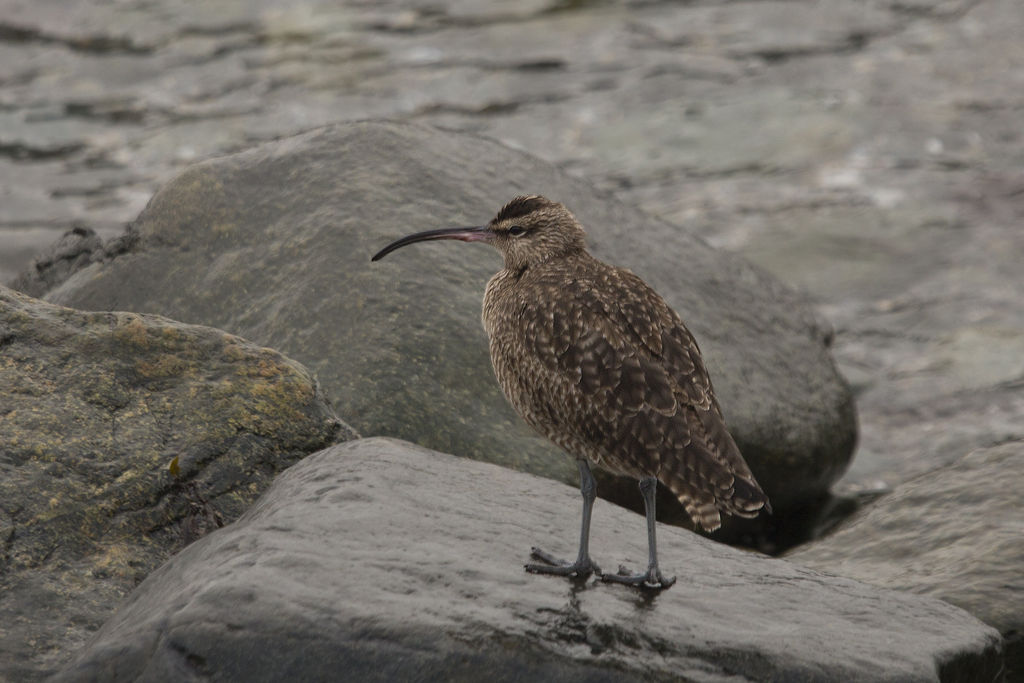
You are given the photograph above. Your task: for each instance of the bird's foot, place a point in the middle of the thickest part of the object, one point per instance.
(581, 568)
(652, 580)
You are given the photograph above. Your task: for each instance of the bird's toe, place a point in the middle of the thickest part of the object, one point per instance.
(652, 580)
(552, 565)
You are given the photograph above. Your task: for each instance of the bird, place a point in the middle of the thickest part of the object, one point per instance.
(591, 357)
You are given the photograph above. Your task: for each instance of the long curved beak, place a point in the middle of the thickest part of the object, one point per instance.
(478, 233)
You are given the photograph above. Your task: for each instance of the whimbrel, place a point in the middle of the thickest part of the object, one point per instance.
(595, 360)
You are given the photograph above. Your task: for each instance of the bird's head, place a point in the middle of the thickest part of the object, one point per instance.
(527, 231)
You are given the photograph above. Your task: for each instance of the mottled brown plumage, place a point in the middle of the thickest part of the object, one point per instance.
(595, 360)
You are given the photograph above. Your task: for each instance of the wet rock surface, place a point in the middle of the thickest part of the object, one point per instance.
(954, 533)
(94, 408)
(380, 560)
(275, 244)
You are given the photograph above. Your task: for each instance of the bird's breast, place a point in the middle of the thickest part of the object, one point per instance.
(499, 314)
(508, 330)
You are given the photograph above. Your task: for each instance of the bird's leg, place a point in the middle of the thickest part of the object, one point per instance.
(653, 578)
(583, 566)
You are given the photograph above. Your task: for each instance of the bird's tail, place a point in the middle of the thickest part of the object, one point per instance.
(705, 501)
(710, 477)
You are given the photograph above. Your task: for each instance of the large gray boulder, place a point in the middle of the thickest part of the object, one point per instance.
(377, 560)
(956, 533)
(274, 244)
(94, 408)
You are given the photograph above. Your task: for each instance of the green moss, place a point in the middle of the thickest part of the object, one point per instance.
(131, 333)
(164, 366)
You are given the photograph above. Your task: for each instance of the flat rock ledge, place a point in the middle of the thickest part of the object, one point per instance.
(378, 560)
(954, 533)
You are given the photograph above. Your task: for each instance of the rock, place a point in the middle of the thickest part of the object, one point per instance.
(954, 533)
(274, 244)
(75, 249)
(387, 561)
(94, 407)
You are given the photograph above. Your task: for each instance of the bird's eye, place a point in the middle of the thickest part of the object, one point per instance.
(516, 231)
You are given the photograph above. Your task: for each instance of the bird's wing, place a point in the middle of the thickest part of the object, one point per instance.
(631, 374)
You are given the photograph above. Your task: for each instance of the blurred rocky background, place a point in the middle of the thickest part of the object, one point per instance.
(869, 153)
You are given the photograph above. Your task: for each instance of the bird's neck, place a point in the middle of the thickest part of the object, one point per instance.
(506, 280)
(553, 259)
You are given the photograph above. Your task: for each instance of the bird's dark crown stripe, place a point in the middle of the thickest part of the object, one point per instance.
(518, 207)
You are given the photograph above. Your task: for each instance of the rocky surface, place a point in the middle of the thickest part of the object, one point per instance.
(76, 249)
(94, 408)
(869, 152)
(386, 561)
(954, 533)
(275, 244)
